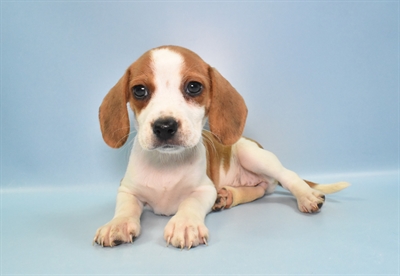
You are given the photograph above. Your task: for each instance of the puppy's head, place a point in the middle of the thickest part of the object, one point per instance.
(172, 91)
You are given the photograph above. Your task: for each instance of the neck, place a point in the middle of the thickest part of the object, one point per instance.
(166, 159)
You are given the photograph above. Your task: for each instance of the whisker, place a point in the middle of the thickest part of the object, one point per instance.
(211, 142)
(123, 137)
(129, 144)
(218, 138)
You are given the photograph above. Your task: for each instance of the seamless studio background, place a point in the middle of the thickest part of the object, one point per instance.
(321, 82)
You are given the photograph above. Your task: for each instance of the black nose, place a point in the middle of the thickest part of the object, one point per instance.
(165, 128)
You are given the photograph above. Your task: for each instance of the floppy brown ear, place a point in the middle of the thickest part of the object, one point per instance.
(228, 111)
(113, 114)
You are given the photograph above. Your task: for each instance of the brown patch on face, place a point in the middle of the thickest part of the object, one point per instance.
(217, 154)
(141, 73)
(194, 69)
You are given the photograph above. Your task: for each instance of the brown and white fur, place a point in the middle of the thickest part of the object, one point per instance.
(177, 168)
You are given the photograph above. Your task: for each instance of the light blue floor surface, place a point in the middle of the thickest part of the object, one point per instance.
(50, 232)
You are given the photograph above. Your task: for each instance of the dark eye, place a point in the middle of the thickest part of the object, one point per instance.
(194, 88)
(140, 92)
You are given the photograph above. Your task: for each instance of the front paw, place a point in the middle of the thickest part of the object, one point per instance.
(117, 231)
(310, 201)
(185, 231)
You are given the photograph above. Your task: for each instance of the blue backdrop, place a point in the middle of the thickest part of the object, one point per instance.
(321, 80)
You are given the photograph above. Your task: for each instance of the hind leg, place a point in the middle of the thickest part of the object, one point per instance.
(229, 197)
(267, 165)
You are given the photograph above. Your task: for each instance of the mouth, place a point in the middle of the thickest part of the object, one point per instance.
(169, 148)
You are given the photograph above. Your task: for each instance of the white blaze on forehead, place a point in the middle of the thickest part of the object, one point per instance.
(167, 67)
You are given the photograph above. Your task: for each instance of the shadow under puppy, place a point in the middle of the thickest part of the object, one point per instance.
(176, 167)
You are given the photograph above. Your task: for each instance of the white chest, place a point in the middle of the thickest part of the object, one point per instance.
(163, 182)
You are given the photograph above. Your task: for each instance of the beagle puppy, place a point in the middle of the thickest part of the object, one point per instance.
(176, 167)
